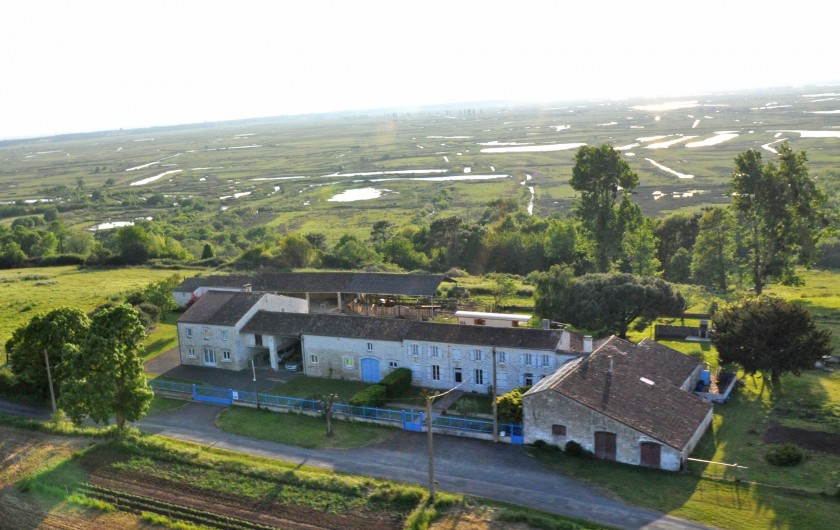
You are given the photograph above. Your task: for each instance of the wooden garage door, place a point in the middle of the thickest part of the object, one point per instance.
(651, 454)
(605, 445)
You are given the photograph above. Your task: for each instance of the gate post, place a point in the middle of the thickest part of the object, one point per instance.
(193, 391)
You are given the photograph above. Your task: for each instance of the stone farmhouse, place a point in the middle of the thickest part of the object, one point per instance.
(624, 402)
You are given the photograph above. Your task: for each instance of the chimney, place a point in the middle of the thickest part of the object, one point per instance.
(610, 371)
(587, 344)
(247, 287)
(546, 324)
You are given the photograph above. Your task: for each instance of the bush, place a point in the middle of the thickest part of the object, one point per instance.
(397, 383)
(574, 449)
(372, 396)
(509, 407)
(785, 455)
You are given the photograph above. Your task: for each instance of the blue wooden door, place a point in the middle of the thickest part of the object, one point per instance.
(370, 370)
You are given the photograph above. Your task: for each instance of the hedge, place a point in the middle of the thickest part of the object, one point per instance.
(372, 396)
(397, 382)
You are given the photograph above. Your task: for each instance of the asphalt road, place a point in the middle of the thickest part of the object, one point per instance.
(500, 472)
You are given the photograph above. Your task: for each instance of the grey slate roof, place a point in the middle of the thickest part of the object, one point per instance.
(220, 308)
(394, 329)
(323, 282)
(661, 410)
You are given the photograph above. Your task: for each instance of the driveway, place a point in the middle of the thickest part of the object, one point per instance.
(500, 472)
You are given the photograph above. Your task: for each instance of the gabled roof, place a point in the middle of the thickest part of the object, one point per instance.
(323, 282)
(638, 393)
(394, 329)
(220, 308)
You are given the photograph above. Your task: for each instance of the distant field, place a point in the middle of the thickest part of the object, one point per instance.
(287, 170)
(25, 292)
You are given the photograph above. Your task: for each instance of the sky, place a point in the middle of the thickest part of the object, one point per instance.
(87, 65)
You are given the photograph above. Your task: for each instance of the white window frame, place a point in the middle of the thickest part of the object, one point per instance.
(207, 334)
(224, 335)
(313, 358)
(545, 360)
(189, 333)
(369, 346)
(415, 350)
(478, 377)
(191, 352)
(226, 356)
(501, 357)
(526, 376)
(527, 359)
(435, 372)
(348, 362)
(393, 365)
(209, 356)
(435, 352)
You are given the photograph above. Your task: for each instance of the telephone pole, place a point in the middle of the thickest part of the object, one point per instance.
(430, 438)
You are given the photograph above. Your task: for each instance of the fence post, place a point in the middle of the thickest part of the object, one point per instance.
(193, 391)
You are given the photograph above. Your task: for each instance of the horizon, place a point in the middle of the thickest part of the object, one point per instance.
(132, 65)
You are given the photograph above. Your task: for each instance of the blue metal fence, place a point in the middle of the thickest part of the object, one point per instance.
(410, 420)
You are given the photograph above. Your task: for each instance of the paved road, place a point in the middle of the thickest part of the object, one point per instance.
(497, 471)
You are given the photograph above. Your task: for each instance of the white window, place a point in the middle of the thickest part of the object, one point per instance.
(210, 356)
(476, 355)
(435, 352)
(456, 354)
(313, 359)
(189, 333)
(528, 359)
(479, 376)
(207, 334)
(226, 356)
(415, 350)
(393, 364)
(527, 379)
(370, 346)
(348, 362)
(545, 360)
(224, 335)
(191, 353)
(502, 357)
(435, 372)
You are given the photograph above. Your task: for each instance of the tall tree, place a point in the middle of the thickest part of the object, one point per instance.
(104, 375)
(770, 335)
(713, 258)
(610, 303)
(48, 332)
(639, 248)
(782, 212)
(600, 175)
(550, 290)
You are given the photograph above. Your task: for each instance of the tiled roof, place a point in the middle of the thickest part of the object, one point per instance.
(323, 282)
(220, 308)
(656, 407)
(395, 329)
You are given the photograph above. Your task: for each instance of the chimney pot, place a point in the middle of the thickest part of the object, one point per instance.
(546, 324)
(587, 344)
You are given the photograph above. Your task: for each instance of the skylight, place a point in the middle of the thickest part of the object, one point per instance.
(646, 381)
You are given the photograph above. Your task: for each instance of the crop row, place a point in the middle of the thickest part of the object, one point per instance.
(136, 504)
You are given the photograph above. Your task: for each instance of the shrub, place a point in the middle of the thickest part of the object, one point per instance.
(574, 449)
(784, 455)
(509, 407)
(397, 382)
(372, 396)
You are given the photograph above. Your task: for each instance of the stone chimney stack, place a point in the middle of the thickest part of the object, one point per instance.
(587, 344)
(247, 287)
(546, 324)
(610, 371)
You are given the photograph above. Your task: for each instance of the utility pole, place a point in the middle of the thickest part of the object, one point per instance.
(495, 406)
(49, 380)
(430, 438)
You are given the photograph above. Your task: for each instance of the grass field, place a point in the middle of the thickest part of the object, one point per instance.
(25, 292)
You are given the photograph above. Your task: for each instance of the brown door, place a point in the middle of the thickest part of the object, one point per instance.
(651, 454)
(605, 445)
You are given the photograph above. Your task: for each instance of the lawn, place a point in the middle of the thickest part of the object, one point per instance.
(162, 404)
(301, 430)
(316, 387)
(163, 338)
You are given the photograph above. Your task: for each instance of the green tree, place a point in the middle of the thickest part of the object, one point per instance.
(133, 244)
(104, 374)
(679, 268)
(207, 252)
(550, 290)
(560, 244)
(713, 259)
(509, 406)
(599, 174)
(48, 332)
(639, 248)
(782, 214)
(610, 303)
(350, 253)
(502, 287)
(295, 252)
(770, 335)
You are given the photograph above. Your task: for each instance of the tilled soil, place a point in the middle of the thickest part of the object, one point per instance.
(824, 442)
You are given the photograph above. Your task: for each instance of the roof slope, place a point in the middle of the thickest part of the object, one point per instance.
(323, 282)
(394, 329)
(660, 410)
(220, 308)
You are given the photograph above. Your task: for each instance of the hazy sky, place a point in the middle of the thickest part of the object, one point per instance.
(82, 65)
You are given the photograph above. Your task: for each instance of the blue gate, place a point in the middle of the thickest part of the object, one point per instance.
(412, 421)
(370, 370)
(213, 394)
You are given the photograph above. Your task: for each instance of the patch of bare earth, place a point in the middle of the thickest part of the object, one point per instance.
(474, 518)
(824, 442)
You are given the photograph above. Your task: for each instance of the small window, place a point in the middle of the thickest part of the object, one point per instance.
(191, 353)
(479, 377)
(435, 372)
(528, 359)
(545, 360)
(501, 357)
(514, 324)
(224, 335)
(226, 356)
(189, 333)
(479, 322)
(313, 359)
(528, 379)
(370, 346)
(558, 430)
(435, 352)
(207, 334)
(348, 362)
(415, 350)
(478, 355)
(393, 364)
